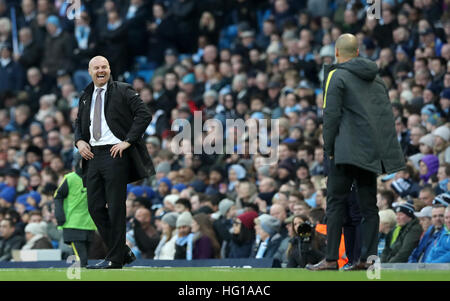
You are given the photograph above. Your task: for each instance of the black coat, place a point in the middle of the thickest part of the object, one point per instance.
(127, 117)
(15, 242)
(31, 56)
(358, 124)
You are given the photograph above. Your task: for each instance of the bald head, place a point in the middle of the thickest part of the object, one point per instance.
(346, 47)
(99, 70)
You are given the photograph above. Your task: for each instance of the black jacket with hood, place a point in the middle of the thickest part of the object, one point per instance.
(358, 124)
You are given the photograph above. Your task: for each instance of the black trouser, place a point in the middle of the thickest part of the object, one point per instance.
(107, 185)
(340, 180)
(352, 228)
(82, 248)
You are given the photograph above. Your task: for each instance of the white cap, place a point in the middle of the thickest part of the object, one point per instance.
(425, 212)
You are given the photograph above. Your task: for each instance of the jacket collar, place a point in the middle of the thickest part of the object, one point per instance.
(87, 92)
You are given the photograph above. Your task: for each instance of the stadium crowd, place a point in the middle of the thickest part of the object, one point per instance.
(229, 59)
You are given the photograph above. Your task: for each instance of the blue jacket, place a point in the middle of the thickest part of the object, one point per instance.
(426, 244)
(441, 252)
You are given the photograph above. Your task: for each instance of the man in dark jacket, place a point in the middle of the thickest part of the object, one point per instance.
(11, 239)
(110, 124)
(360, 140)
(404, 238)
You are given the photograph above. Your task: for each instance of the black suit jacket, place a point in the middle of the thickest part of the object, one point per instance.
(127, 117)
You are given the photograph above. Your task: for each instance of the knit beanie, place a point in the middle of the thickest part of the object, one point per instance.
(167, 181)
(406, 208)
(179, 187)
(171, 198)
(248, 219)
(224, 206)
(170, 218)
(36, 228)
(443, 198)
(163, 167)
(401, 187)
(428, 140)
(8, 194)
(269, 224)
(137, 191)
(185, 219)
(443, 132)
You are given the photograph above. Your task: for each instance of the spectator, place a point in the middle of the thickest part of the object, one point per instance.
(36, 237)
(11, 239)
(441, 252)
(166, 246)
(242, 235)
(30, 52)
(58, 48)
(307, 246)
(404, 238)
(184, 242)
(205, 244)
(11, 73)
(387, 223)
(431, 234)
(224, 223)
(145, 234)
(268, 239)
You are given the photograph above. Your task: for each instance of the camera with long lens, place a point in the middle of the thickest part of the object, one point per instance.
(305, 231)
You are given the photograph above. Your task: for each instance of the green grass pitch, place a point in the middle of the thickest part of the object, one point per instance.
(214, 274)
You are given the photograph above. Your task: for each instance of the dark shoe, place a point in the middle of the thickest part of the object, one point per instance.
(323, 266)
(104, 264)
(360, 266)
(129, 257)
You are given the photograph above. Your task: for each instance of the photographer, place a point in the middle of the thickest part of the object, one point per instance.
(307, 246)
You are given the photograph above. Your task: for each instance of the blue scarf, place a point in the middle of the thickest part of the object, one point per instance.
(189, 240)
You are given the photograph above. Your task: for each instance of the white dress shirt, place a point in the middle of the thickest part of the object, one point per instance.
(107, 136)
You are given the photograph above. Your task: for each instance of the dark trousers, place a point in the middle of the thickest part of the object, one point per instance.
(352, 228)
(340, 180)
(106, 192)
(82, 248)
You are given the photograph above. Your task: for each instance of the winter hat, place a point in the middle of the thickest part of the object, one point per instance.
(248, 219)
(198, 185)
(163, 167)
(166, 181)
(224, 206)
(239, 170)
(406, 208)
(268, 223)
(149, 191)
(36, 228)
(443, 198)
(185, 219)
(264, 170)
(286, 164)
(443, 132)
(425, 212)
(189, 79)
(432, 162)
(137, 191)
(8, 194)
(428, 140)
(429, 110)
(53, 20)
(179, 187)
(171, 198)
(35, 195)
(401, 187)
(170, 218)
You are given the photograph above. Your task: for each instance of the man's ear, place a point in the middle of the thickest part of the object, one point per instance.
(336, 53)
(357, 52)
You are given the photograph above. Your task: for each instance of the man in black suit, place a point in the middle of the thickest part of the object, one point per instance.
(110, 124)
